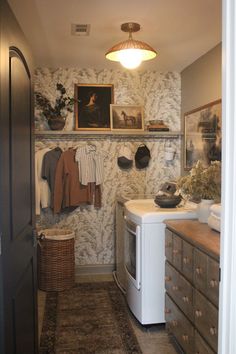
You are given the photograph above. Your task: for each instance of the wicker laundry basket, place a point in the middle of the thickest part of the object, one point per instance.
(56, 259)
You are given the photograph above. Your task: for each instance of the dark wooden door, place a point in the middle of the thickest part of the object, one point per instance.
(18, 315)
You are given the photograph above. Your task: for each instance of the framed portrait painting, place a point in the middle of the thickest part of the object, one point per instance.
(126, 117)
(202, 137)
(92, 106)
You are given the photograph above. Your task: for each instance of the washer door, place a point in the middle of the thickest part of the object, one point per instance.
(132, 252)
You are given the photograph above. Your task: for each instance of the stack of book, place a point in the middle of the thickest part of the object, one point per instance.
(159, 126)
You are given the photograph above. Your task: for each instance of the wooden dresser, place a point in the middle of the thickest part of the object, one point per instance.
(192, 285)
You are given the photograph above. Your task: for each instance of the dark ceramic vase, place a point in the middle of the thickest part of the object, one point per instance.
(56, 123)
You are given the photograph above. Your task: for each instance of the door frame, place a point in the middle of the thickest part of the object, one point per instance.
(227, 306)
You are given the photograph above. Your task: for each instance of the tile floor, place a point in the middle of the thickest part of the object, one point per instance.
(152, 339)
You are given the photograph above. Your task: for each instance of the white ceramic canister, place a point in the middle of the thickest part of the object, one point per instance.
(203, 210)
(169, 154)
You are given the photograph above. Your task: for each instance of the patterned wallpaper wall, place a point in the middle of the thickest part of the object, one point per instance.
(159, 93)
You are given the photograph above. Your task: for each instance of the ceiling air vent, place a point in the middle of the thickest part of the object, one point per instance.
(80, 30)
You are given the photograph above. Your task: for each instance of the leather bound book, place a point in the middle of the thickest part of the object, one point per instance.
(157, 127)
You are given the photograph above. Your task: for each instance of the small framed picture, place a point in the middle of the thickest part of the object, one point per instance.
(126, 117)
(92, 106)
(202, 138)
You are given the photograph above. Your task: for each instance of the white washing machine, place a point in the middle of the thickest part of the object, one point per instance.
(145, 256)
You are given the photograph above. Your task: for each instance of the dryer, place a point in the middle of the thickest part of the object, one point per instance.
(145, 256)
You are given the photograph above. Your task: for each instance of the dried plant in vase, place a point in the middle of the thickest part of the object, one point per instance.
(55, 113)
(202, 183)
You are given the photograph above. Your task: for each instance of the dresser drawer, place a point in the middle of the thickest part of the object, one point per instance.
(185, 333)
(170, 314)
(172, 282)
(200, 270)
(206, 319)
(187, 260)
(212, 287)
(180, 290)
(169, 277)
(206, 276)
(168, 245)
(179, 326)
(177, 252)
(185, 299)
(201, 347)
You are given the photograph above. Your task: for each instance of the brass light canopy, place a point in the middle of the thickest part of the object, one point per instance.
(131, 53)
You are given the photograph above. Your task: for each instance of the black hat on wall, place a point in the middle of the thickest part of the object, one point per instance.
(124, 159)
(142, 157)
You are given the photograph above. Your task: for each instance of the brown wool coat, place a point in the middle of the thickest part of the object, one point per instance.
(68, 191)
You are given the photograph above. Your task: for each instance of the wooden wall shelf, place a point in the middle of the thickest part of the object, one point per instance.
(48, 134)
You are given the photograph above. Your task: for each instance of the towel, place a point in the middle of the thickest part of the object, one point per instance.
(216, 210)
(214, 223)
(215, 216)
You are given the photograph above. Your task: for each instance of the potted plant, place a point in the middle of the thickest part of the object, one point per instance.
(204, 185)
(55, 114)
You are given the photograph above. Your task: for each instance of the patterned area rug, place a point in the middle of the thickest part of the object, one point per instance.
(90, 318)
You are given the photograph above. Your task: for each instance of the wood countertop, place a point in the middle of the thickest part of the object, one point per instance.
(198, 234)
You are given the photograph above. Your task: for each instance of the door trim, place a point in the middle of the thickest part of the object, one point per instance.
(15, 52)
(227, 307)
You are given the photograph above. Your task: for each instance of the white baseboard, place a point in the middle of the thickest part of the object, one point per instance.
(94, 269)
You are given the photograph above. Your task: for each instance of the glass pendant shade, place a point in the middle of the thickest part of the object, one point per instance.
(131, 53)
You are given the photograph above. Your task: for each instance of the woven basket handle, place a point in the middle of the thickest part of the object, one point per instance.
(40, 237)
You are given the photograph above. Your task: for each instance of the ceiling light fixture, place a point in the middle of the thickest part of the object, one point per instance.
(131, 53)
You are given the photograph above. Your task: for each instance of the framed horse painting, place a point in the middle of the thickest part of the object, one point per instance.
(126, 117)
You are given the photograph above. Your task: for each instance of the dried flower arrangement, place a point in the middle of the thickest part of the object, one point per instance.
(58, 111)
(202, 183)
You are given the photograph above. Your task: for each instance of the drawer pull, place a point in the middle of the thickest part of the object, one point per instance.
(167, 310)
(186, 260)
(185, 337)
(213, 331)
(174, 287)
(167, 278)
(185, 299)
(213, 283)
(199, 270)
(198, 313)
(175, 251)
(174, 323)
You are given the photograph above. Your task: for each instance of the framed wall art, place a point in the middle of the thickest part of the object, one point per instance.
(126, 117)
(202, 137)
(92, 106)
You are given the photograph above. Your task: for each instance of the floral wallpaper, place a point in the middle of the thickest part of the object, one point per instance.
(159, 94)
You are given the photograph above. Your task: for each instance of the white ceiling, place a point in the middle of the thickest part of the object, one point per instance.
(180, 30)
